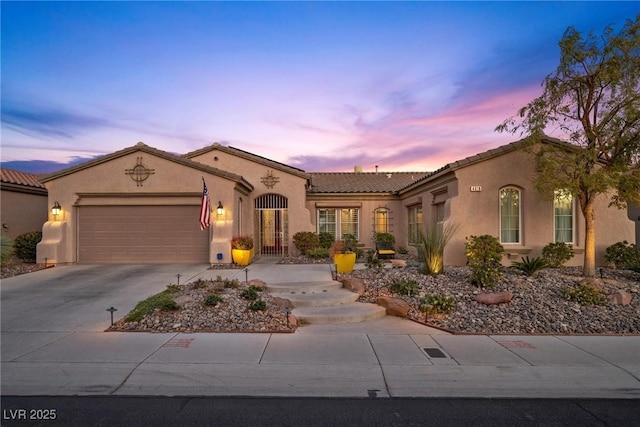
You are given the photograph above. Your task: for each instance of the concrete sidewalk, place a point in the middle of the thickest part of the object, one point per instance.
(388, 357)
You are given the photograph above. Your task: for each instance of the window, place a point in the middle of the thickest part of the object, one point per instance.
(563, 216)
(381, 220)
(415, 224)
(510, 215)
(338, 222)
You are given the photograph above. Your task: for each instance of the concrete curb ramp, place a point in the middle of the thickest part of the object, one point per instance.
(322, 302)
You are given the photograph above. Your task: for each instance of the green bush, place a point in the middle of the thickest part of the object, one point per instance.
(6, 249)
(318, 253)
(163, 301)
(624, 255)
(530, 266)
(257, 305)
(402, 250)
(556, 254)
(326, 239)
(484, 254)
(404, 286)
(432, 304)
(384, 237)
(372, 260)
(25, 245)
(431, 247)
(305, 240)
(251, 293)
(231, 283)
(213, 300)
(584, 294)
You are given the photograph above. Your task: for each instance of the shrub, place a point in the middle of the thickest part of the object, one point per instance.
(432, 304)
(163, 301)
(318, 253)
(231, 283)
(404, 286)
(431, 247)
(257, 305)
(484, 254)
(624, 255)
(556, 254)
(402, 250)
(372, 260)
(326, 239)
(584, 294)
(25, 245)
(251, 292)
(6, 248)
(200, 283)
(213, 300)
(530, 265)
(384, 237)
(242, 242)
(306, 240)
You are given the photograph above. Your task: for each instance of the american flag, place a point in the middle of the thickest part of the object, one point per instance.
(205, 207)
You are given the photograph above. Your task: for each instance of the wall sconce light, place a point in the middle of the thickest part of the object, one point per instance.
(220, 208)
(56, 209)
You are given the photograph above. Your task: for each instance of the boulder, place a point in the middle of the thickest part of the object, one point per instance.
(258, 282)
(621, 298)
(293, 320)
(282, 303)
(395, 306)
(398, 263)
(182, 300)
(353, 284)
(494, 297)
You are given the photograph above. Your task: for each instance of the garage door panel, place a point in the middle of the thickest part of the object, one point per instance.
(141, 234)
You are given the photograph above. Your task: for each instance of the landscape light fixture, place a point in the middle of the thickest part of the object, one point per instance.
(56, 209)
(220, 208)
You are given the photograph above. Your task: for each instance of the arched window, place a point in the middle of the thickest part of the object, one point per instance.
(381, 220)
(510, 215)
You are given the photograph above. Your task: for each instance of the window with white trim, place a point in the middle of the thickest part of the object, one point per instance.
(415, 224)
(510, 215)
(563, 216)
(339, 222)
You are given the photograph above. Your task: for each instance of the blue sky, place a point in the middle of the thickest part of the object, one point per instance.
(322, 86)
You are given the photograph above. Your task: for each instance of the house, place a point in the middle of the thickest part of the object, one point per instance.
(141, 205)
(23, 202)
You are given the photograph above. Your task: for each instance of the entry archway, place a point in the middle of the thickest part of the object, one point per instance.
(272, 223)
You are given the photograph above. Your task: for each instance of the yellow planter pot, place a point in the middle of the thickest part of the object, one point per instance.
(242, 256)
(344, 262)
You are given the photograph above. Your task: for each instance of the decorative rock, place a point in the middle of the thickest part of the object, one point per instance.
(293, 320)
(395, 306)
(182, 300)
(621, 298)
(353, 284)
(258, 282)
(398, 263)
(282, 302)
(494, 297)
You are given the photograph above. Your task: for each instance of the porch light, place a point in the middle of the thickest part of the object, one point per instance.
(56, 209)
(220, 208)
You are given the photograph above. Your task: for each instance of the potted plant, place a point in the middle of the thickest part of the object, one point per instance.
(242, 249)
(344, 253)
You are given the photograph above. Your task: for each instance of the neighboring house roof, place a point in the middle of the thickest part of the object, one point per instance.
(362, 182)
(21, 181)
(216, 146)
(151, 151)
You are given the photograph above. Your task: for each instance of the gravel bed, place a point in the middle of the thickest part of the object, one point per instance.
(16, 267)
(232, 314)
(537, 307)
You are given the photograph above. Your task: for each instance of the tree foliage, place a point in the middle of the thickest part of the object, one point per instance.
(593, 100)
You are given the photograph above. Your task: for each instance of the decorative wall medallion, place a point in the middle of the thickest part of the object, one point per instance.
(269, 181)
(139, 172)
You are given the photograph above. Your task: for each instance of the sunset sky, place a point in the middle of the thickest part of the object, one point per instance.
(321, 86)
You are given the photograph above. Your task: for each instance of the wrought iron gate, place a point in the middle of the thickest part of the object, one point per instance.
(272, 222)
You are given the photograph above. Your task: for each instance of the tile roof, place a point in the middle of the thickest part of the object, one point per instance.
(26, 179)
(361, 182)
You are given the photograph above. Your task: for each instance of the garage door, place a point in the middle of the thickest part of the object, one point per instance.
(141, 234)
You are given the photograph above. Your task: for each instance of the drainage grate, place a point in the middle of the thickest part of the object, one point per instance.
(435, 353)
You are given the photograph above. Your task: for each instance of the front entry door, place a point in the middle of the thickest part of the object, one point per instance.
(272, 220)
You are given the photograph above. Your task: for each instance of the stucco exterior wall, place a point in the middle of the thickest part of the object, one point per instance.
(289, 185)
(22, 212)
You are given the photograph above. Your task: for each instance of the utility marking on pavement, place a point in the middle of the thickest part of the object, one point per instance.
(179, 343)
(435, 353)
(516, 344)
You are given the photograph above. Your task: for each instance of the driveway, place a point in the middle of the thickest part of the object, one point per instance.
(75, 298)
